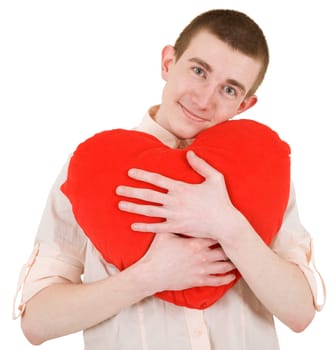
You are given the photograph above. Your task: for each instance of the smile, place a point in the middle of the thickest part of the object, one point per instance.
(192, 116)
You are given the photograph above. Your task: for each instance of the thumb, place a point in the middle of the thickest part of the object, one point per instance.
(200, 165)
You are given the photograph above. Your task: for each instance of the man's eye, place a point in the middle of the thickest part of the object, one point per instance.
(229, 90)
(198, 71)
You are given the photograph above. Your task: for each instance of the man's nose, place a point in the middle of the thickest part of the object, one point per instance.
(205, 96)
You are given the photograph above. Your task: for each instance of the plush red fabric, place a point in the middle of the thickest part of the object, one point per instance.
(252, 157)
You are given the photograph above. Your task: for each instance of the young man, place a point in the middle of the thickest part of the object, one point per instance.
(211, 75)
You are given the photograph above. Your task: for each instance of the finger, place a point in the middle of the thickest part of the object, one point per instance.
(217, 254)
(221, 267)
(146, 210)
(154, 227)
(152, 178)
(208, 242)
(215, 281)
(141, 193)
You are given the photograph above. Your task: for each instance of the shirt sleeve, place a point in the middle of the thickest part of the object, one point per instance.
(294, 244)
(59, 251)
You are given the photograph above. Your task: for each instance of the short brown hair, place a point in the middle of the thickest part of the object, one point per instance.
(235, 29)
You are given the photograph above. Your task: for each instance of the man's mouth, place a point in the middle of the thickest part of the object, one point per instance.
(192, 115)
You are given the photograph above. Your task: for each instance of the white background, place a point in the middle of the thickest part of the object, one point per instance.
(70, 68)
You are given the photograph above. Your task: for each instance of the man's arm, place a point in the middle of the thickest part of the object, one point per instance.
(171, 263)
(205, 210)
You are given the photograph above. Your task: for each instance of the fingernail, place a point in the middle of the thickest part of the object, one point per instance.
(122, 205)
(131, 172)
(119, 190)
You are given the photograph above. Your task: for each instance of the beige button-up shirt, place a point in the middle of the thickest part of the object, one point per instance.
(238, 321)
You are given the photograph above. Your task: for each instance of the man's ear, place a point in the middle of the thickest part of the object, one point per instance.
(247, 103)
(168, 57)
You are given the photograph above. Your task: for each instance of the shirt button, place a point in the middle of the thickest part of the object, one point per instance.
(197, 333)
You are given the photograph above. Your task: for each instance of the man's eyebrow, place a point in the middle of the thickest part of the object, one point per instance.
(202, 63)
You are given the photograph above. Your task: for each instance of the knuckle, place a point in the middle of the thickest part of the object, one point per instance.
(150, 210)
(203, 258)
(141, 193)
(201, 281)
(180, 188)
(202, 271)
(154, 177)
(136, 193)
(219, 177)
(147, 209)
(195, 245)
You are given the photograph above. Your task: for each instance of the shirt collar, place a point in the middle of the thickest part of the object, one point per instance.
(150, 126)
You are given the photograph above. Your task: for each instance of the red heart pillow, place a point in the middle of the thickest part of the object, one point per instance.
(253, 159)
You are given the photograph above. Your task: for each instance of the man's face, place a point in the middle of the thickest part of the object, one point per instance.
(206, 86)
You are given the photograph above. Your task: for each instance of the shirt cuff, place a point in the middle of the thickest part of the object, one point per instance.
(304, 259)
(40, 272)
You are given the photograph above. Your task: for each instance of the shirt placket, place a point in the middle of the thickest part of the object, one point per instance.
(197, 329)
